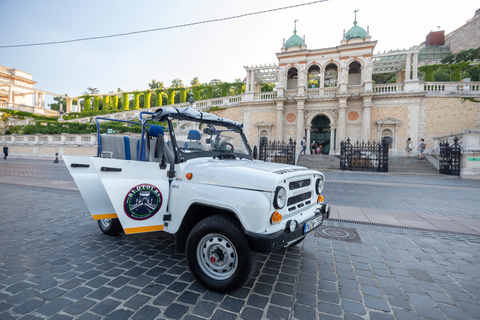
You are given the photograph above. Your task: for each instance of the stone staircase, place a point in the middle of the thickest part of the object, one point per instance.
(319, 162)
(395, 164)
(410, 164)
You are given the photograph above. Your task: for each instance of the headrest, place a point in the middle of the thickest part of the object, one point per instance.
(194, 135)
(155, 130)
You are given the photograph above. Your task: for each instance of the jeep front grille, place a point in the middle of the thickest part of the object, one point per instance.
(299, 184)
(298, 198)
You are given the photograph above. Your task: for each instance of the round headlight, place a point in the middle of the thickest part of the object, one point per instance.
(319, 185)
(280, 198)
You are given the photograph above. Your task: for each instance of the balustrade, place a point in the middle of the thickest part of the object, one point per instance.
(388, 88)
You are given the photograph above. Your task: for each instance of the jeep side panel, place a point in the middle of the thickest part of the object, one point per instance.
(90, 187)
(138, 190)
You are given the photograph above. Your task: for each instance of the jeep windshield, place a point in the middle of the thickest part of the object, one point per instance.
(195, 134)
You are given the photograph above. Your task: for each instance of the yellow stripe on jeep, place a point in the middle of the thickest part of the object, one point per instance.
(143, 229)
(104, 216)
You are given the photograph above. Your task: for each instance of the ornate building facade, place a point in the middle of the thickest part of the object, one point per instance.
(328, 95)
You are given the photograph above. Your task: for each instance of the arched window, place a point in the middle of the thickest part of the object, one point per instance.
(354, 73)
(314, 77)
(292, 79)
(331, 75)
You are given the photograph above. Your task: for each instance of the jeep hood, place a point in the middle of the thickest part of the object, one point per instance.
(257, 175)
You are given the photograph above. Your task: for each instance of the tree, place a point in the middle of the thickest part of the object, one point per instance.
(267, 87)
(156, 84)
(91, 90)
(195, 82)
(177, 83)
(56, 105)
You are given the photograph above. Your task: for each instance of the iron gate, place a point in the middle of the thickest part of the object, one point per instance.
(450, 158)
(280, 152)
(369, 156)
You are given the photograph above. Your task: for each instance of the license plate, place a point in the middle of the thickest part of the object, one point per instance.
(312, 224)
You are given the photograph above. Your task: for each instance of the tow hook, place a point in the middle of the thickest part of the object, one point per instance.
(325, 209)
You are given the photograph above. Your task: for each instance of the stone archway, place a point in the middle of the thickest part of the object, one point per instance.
(320, 131)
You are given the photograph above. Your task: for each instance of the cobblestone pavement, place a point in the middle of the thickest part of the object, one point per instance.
(56, 264)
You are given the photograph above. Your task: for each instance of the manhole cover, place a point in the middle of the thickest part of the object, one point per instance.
(338, 233)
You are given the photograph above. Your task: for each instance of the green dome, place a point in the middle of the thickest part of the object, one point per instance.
(294, 41)
(356, 32)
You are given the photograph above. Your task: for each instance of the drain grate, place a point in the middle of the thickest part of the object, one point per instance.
(338, 233)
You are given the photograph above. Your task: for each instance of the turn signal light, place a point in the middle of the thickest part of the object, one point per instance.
(189, 176)
(276, 218)
(320, 198)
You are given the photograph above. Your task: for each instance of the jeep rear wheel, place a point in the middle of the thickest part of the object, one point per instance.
(111, 227)
(218, 254)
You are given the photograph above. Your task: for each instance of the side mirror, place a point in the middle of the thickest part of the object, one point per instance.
(255, 152)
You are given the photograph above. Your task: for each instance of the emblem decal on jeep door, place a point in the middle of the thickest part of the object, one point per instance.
(142, 202)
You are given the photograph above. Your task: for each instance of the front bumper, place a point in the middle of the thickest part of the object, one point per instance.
(266, 243)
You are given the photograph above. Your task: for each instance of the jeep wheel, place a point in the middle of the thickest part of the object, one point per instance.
(218, 254)
(111, 227)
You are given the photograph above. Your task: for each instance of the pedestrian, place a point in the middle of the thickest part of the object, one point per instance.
(5, 152)
(408, 146)
(319, 147)
(314, 147)
(304, 145)
(421, 147)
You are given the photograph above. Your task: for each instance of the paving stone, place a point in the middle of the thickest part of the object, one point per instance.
(376, 303)
(105, 307)
(79, 307)
(329, 308)
(303, 312)
(275, 313)
(146, 313)
(204, 309)
(252, 314)
(28, 306)
(353, 307)
(137, 301)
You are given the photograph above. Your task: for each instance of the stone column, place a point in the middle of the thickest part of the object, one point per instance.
(300, 121)
(368, 73)
(342, 106)
(367, 107)
(322, 80)
(247, 86)
(280, 118)
(407, 68)
(415, 66)
(333, 130)
(35, 99)
(308, 149)
(69, 105)
(10, 97)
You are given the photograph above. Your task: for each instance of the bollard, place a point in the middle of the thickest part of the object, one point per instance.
(56, 158)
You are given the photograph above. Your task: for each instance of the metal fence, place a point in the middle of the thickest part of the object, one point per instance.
(365, 156)
(450, 158)
(280, 152)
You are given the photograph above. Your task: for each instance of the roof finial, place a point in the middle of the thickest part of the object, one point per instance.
(295, 29)
(355, 22)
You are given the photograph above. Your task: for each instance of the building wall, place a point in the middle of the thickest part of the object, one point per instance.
(449, 115)
(465, 37)
(383, 111)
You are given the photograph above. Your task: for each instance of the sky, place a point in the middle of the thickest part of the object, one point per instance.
(217, 50)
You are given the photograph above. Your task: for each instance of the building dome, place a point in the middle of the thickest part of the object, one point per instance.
(356, 32)
(294, 41)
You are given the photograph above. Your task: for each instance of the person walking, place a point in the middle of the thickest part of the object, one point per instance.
(5, 152)
(408, 146)
(304, 145)
(314, 147)
(319, 147)
(421, 147)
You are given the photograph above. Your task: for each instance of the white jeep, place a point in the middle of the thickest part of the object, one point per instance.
(196, 178)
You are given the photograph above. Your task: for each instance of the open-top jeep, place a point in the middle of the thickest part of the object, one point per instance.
(196, 178)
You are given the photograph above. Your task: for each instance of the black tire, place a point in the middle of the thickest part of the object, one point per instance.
(218, 254)
(296, 242)
(110, 227)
